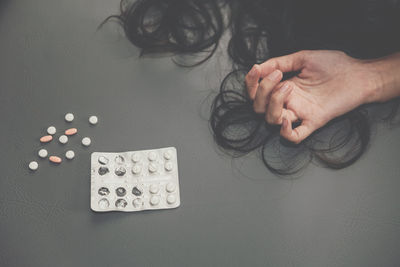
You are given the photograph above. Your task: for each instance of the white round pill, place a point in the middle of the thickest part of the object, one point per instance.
(70, 154)
(103, 203)
(93, 120)
(168, 166)
(86, 141)
(154, 200)
(152, 156)
(167, 155)
(42, 153)
(63, 139)
(154, 188)
(69, 117)
(137, 202)
(170, 187)
(135, 157)
(152, 167)
(51, 130)
(171, 199)
(136, 169)
(33, 165)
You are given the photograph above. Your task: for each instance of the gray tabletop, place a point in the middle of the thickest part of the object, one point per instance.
(232, 213)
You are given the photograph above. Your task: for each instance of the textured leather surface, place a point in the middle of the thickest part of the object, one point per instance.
(53, 61)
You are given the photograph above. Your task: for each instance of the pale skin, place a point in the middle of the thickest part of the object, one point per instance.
(329, 84)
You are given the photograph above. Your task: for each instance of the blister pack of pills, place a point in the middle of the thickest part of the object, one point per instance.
(135, 180)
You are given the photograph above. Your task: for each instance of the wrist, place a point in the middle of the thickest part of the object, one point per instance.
(383, 83)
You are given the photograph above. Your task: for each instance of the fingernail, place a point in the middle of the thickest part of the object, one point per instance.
(274, 76)
(285, 88)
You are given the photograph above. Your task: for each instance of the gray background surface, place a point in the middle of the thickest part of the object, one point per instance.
(53, 61)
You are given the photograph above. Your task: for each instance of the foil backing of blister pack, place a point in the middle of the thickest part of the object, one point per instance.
(134, 180)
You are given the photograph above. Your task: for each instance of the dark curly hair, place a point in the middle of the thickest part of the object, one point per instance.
(261, 29)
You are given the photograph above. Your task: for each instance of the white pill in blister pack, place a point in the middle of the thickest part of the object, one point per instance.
(135, 180)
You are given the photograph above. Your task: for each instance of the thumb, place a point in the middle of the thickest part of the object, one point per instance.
(297, 134)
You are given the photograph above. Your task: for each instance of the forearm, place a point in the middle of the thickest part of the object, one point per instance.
(386, 74)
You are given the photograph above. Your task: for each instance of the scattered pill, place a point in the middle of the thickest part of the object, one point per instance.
(93, 120)
(136, 169)
(152, 167)
(102, 160)
(33, 165)
(154, 200)
(103, 203)
(46, 138)
(137, 202)
(152, 156)
(103, 191)
(69, 117)
(70, 154)
(55, 159)
(170, 187)
(154, 188)
(86, 141)
(51, 130)
(42, 153)
(121, 203)
(71, 131)
(171, 199)
(168, 166)
(63, 139)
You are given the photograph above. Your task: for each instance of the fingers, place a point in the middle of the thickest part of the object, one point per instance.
(288, 63)
(276, 108)
(297, 134)
(252, 81)
(264, 89)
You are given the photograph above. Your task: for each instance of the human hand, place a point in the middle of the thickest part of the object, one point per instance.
(329, 84)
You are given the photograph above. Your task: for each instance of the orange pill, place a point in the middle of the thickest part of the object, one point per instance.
(55, 159)
(71, 131)
(46, 138)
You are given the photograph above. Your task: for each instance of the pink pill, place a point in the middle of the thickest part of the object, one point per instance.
(46, 138)
(55, 159)
(71, 131)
